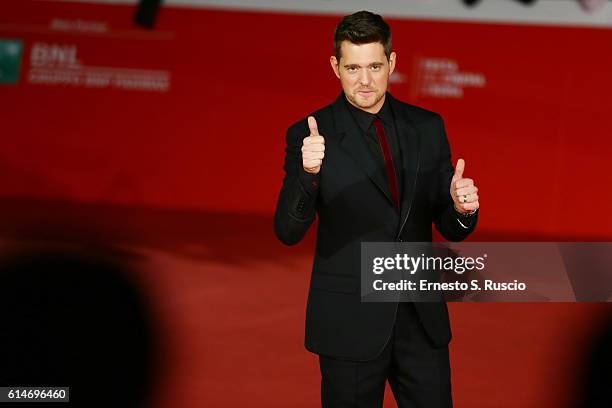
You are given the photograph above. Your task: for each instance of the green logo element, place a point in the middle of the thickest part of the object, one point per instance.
(10, 60)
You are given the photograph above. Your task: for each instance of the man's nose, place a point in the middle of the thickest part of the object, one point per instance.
(365, 77)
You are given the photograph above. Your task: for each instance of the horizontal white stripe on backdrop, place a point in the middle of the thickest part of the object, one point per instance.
(541, 12)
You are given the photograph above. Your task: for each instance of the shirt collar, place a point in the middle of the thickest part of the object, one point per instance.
(364, 119)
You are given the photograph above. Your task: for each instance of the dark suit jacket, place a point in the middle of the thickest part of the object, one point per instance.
(352, 200)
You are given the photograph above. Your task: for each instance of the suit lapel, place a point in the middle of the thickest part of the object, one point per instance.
(351, 140)
(409, 140)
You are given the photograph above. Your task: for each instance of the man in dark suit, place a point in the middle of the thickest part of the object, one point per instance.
(373, 169)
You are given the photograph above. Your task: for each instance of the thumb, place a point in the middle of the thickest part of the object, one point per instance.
(459, 169)
(312, 124)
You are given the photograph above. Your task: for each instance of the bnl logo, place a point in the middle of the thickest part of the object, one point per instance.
(10, 60)
(54, 56)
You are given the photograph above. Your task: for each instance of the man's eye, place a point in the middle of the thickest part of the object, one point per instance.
(352, 69)
(375, 67)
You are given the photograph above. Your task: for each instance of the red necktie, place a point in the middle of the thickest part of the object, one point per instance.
(384, 146)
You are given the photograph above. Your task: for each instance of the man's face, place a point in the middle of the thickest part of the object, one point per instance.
(364, 73)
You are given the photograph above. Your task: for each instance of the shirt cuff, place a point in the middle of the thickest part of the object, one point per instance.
(309, 182)
(466, 220)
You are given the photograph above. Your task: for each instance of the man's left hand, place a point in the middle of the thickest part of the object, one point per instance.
(463, 191)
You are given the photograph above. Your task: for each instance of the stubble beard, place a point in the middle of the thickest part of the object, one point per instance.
(365, 103)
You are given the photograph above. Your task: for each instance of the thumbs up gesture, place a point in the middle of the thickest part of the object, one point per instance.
(313, 148)
(463, 191)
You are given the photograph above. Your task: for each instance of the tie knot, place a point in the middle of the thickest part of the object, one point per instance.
(378, 124)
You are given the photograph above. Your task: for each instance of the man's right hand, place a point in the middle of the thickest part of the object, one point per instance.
(313, 148)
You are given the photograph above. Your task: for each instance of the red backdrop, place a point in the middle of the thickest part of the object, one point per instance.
(533, 131)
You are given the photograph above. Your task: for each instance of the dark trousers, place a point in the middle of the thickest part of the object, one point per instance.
(419, 374)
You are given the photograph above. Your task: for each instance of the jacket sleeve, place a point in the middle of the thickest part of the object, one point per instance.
(452, 225)
(295, 208)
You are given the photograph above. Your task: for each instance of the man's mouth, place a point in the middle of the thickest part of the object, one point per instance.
(365, 93)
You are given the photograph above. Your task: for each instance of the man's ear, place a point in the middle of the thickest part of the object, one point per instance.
(392, 60)
(334, 64)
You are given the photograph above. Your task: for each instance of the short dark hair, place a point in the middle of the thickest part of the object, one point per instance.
(362, 27)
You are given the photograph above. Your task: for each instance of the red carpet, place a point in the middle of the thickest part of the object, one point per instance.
(230, 301)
